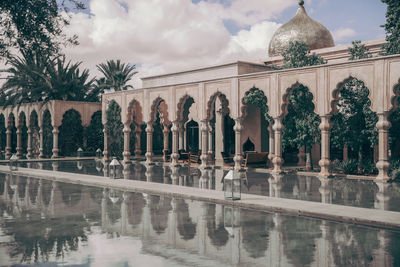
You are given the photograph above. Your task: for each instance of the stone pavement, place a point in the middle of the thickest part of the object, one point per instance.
(371, 217)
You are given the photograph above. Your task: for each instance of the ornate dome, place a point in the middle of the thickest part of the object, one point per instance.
(303, 29)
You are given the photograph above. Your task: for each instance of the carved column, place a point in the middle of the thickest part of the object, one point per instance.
(166, 142)
(278, 160)
(55, 142)
(8, 144)
(175, 133)
(210, 136)
(238, 146)
(383, 164)
(19, 145)
(29, 146)
(138, 132)
(271, 153)
(41, 141)
(149, 148)
(219, 136)
(127, 154)
(181, 136)
(325, 162)
(105, 150)
(204, 144)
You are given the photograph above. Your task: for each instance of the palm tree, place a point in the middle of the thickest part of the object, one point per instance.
(117, 74)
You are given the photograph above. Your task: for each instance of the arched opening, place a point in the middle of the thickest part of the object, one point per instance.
(24, 134)
(222, 143)
(47, 134)
(353, 132)
(34, 125)
(12, 127)
(301, 127)
(95, 134)
(161, 127)
(192, 136)
(186, 226)
(114, 128)
(135, 118)
(159, 210)
(71, 133)
(188, 125)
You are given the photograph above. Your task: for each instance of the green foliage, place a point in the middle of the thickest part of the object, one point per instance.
(95, 135)
(297, 55)
(358, 51)
(114, 129)
(394, 170)
(394, 133)
(354, 124)
(256, 97)
(34, 25)
(47, 134)
(392, 27)
(71, 133)
(301, 123)
(116, 75)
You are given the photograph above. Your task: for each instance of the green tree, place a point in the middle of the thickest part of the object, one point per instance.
(298, 55)
(358, 51)
(114, 129)
(301, 123)
(71, 133)
(116, 74)
(95, 135)
(35, 25)
(392, 27)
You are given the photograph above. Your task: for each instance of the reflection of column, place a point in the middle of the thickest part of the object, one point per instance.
(323, 247)
(181, 136)
(324, 163)
(149, 149)
(106, 168)
(325, 190)
(127, 133)
(29, 146)
(138, 131)
(275, 183)
(149, 173)
(104, 209)
(210, 149)
(55, 165)
(275, 243)
(39, 193)
(146, 217)
(172, 223)
(175, 175)
(124, 213)
(105, 150)
(8, 144)
(204, 144)
(55, 142)
(19, 145)
(54, 188)
(382, 197)
(271, 154)
(219, 175)
(126, 172)
(383, 164)
(203, 229)
(41, 141)
(219, 137)
(278, 160)
(204, 179)
(166, 142)
(175, 145)
(238, 147)
(27, 188)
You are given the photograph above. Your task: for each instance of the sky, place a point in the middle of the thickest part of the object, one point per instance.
(164, 36)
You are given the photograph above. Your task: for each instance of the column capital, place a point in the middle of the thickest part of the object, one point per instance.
(149, 127)
(127, 129)
(278, 126)
(238, 124)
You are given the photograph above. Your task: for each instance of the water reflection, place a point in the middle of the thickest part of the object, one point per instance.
(45, 221)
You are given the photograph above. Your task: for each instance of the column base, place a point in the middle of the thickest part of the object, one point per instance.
(277, 161)
(383, 167)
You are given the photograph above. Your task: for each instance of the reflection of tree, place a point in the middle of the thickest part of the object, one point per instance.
(255, 231)
(159, 208)
(135, 208)
(114, 206)
(352, 246)
(186, 227)
(354, 193)
(96, 194)
(394, 247)
(46, 192)
(70, 193)
(299, 236)
(217, 233)
(38, 238)
(33, 189)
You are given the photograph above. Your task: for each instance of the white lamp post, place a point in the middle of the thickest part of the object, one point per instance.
(14, 163)
(79, 152)
(232, 185)
(115, 168)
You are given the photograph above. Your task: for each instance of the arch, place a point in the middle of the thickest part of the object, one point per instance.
(183, 102)
(211, 102)
(22, 124)
(134, 112)
(71, 133)
(34, 127)
(159, 105)
(11, 125)
(288, 93)
(47, 131)
(262, 100)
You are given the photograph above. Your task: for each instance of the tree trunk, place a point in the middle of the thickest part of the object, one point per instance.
(360, 159)
(309, 165)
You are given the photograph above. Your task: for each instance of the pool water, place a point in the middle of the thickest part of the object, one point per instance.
(52, 223)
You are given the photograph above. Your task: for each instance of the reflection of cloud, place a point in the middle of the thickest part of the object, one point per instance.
(343, 33)
(167, 36)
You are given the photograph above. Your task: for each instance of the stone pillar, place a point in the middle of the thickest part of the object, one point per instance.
(383, 164)
(29, 145)
(271, 154)
(210, 149)
(105, 150)
(166, 142)
(19, 142)
(55, 142)
(181, 136)
(41, 141)
(238, 145)
(138, 131)
(127, 132)
(8, 144)
(204, 144)
(325, 162)
(175, 145)
(278, 160)
(149, 148)
(219, 137)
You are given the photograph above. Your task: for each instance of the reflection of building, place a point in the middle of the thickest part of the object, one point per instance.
(204, 107)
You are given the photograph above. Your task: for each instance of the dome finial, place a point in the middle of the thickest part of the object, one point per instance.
(301, 2)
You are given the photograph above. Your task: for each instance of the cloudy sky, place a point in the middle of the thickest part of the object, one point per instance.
(163, 36)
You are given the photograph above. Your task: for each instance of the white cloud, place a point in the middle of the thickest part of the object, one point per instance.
(172, 35)
(343, 33)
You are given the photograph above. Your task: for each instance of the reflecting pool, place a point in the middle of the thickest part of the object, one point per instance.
(57, 223)
(358, 193)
